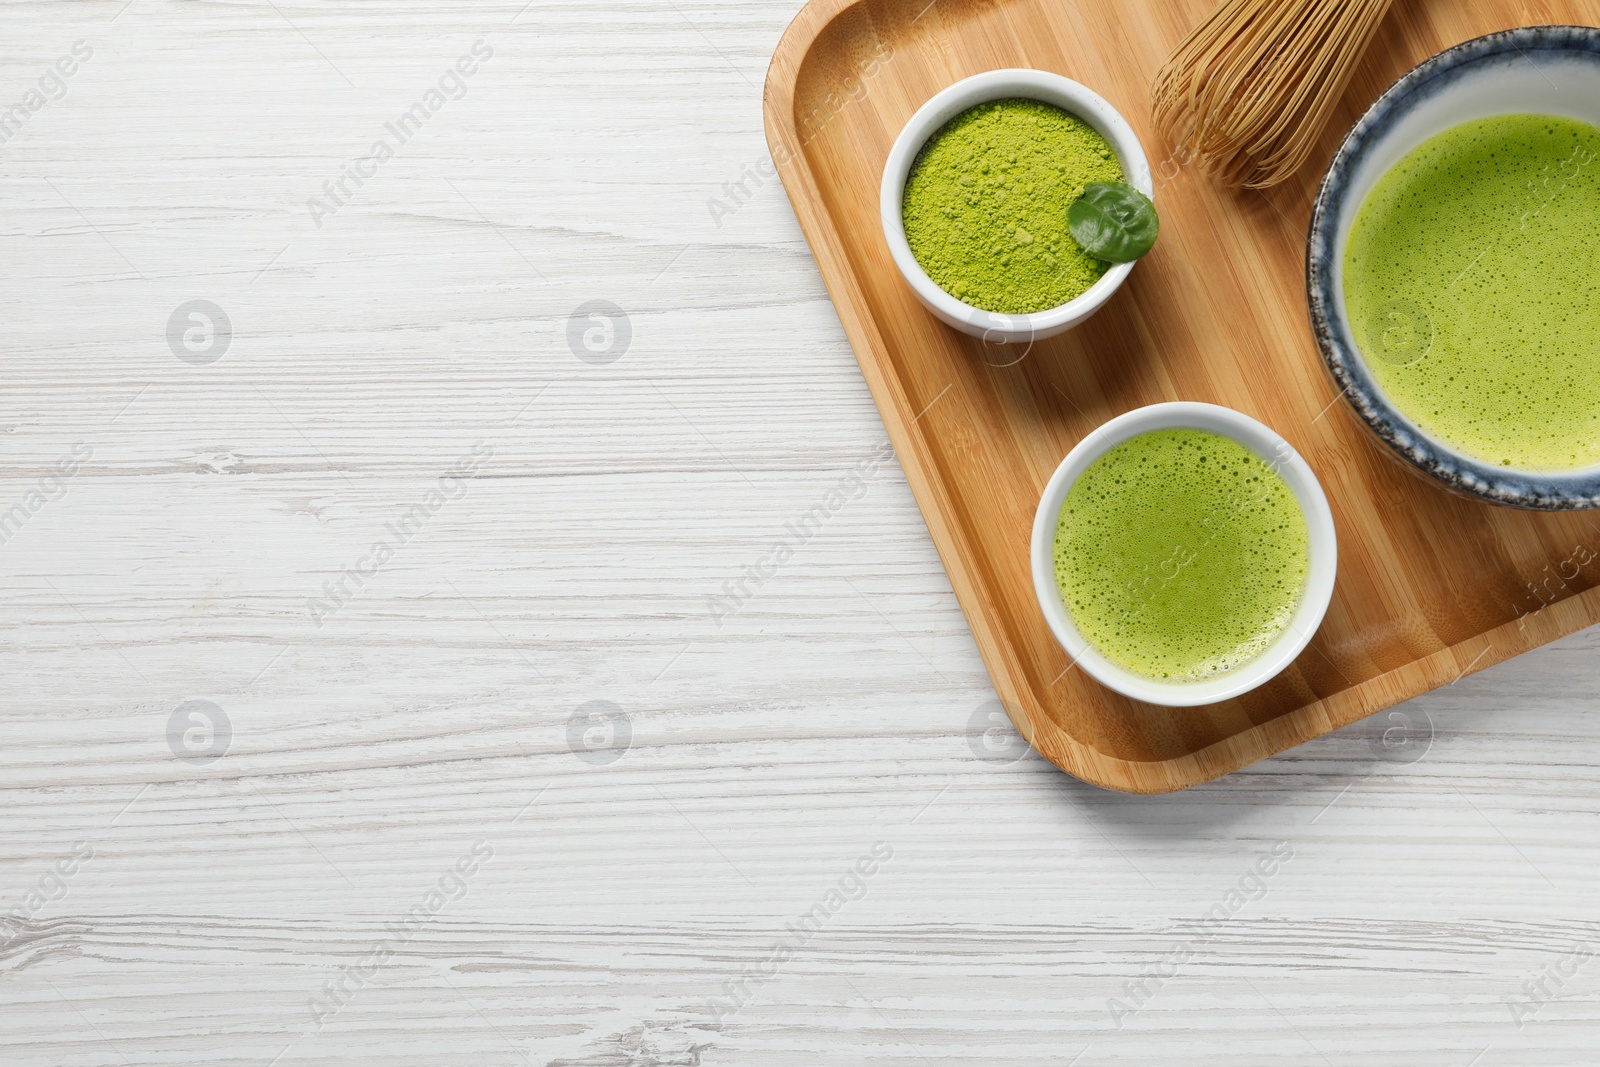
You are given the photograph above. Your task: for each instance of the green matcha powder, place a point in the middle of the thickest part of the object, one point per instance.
(986, 205)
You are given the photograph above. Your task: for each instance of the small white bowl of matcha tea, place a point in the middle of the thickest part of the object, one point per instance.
(975, 196)
(1454, 267)
(1183, 554)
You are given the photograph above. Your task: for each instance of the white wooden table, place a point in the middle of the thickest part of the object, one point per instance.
(368, 697)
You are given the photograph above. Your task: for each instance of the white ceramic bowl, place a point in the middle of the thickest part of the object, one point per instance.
(930, 117)
(1323, 561)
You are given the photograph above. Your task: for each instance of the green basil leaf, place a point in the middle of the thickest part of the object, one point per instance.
(1113, 222)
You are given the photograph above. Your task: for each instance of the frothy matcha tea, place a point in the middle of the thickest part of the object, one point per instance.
(1472, 283)
(1181, 555)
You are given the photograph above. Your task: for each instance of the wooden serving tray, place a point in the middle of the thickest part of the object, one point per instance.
(1431, 586)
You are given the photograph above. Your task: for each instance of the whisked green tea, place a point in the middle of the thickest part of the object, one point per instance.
(1181, 554)
(1472, 284)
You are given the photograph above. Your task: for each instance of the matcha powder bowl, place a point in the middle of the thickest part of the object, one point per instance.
(1045, 137)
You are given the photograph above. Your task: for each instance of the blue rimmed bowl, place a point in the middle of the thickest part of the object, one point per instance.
(1548, 70)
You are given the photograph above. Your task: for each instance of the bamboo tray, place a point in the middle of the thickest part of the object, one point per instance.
(1430, 586)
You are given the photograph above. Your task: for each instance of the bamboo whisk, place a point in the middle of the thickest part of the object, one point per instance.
(1250, 89)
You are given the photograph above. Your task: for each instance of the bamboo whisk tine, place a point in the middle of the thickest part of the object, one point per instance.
(1250, 89)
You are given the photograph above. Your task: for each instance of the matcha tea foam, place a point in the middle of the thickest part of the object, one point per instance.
(1181, 555)
(1472, 285)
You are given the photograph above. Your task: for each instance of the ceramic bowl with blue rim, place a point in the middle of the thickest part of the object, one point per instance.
(1547, 70)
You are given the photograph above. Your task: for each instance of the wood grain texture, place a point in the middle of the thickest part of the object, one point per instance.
(843, 704)
(1430, 586)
